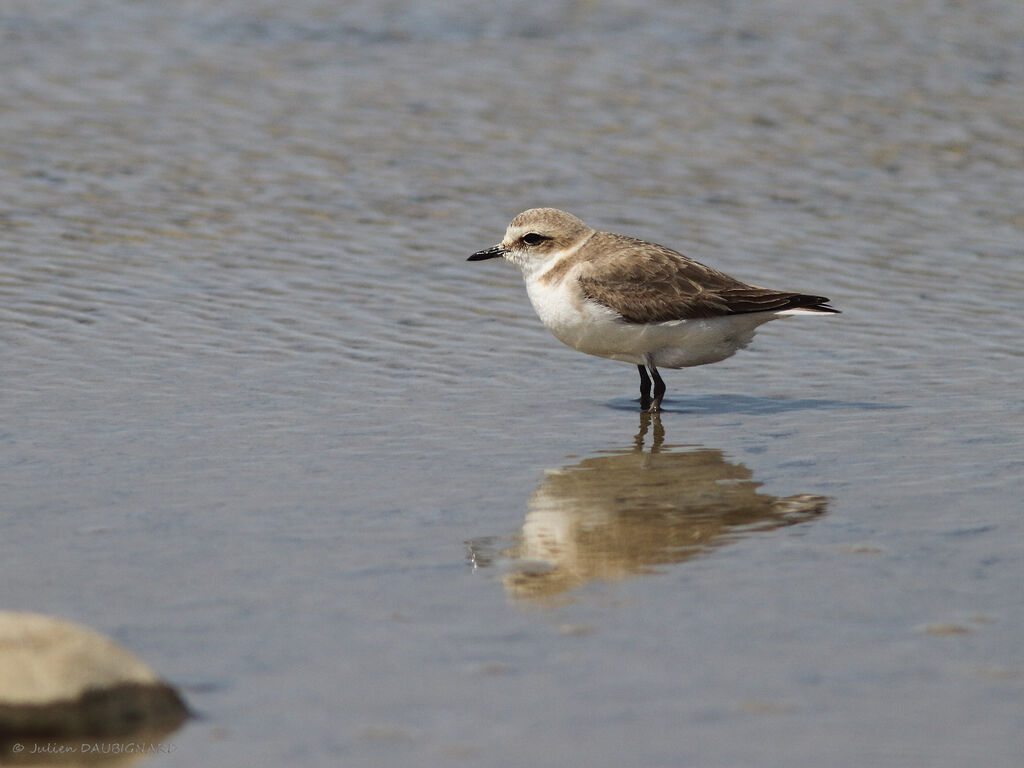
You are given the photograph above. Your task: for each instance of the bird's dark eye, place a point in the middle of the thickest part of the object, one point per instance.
(533, 238)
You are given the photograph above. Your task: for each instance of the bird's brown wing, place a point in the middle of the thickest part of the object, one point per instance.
(648, 283)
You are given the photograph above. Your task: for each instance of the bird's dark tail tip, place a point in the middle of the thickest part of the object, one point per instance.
(813, 304)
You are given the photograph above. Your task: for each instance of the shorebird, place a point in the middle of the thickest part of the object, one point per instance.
(626, 299)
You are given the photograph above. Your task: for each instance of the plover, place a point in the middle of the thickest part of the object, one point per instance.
(626, 299)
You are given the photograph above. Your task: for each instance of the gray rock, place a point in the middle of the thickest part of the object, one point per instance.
(59, 679)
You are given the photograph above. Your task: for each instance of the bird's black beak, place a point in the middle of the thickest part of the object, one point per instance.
(494, 252)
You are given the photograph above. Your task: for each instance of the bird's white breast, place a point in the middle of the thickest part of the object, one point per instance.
(597, 330)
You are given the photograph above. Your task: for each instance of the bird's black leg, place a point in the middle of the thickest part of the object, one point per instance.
(659, 391)
(645, 388)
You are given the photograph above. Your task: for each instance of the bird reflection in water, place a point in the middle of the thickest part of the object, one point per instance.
(627, 512)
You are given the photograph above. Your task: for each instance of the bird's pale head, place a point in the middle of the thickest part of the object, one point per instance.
(537, 235)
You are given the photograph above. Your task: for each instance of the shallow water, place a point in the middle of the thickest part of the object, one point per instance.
(265, 425)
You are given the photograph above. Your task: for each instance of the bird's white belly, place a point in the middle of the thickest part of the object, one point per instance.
(589, 327)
